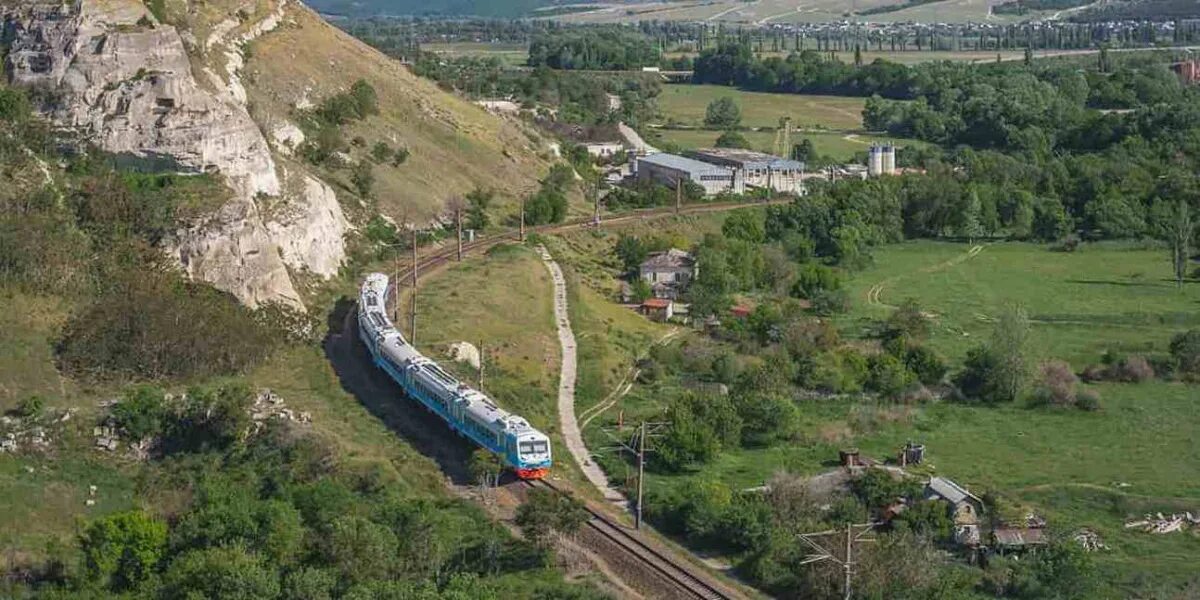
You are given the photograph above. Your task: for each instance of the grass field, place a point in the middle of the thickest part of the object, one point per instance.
(511, 54)
(765, 12)
(30, 325)
(686, 104)
(1082, 303)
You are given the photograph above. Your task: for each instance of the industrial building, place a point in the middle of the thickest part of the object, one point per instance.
(670, 169)
(881, 160)
(758, 170)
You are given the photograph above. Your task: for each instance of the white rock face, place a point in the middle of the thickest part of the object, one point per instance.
(235, 248)
(309, 232)
(287, 137)
(126, 84)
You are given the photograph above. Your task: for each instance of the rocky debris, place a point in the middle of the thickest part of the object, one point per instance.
(287, 138)
(1089, 540)
(465, 352)
(1160, 524)
(27, 434)
(268, 405)
(107, 437)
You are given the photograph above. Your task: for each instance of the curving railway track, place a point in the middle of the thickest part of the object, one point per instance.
(687, 580)
(441, 256)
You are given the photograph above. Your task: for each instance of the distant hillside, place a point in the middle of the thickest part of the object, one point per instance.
(1141, 9)
(481, 8)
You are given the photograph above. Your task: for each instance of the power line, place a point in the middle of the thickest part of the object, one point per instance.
(854, 534)
(637, 446)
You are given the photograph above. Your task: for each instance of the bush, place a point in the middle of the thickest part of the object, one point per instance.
(830, 302)
(812, 279)
(1088, 400)
(153, 325)
(31, 407)
(1185, 349)
(1056, 384)
(141, 414)
(723, 113)
(926, 364)
(733, 139)
(1135, 369)
(122, 550)
(888, 376)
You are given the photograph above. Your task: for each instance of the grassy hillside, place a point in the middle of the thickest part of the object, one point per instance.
(454, 146)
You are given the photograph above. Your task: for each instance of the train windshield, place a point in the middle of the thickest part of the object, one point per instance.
(533, 447)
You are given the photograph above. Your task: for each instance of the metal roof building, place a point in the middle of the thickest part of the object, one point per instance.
(758, 169)
(668, 169)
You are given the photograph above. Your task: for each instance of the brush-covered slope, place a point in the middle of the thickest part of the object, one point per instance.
(454, 145)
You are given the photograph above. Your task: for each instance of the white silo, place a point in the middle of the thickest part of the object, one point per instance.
(875, 160)
(889, 160)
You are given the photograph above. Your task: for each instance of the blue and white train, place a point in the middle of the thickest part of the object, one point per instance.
(467, 411)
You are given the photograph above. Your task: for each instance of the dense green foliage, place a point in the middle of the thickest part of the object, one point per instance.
(595, 49)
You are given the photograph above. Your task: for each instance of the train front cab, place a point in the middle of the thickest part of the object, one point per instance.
(532, 457)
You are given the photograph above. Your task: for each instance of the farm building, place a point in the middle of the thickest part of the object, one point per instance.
(604, 149)
(670, 169)
(668, 273)
(658, 309)
(965, 507)
(758, 170)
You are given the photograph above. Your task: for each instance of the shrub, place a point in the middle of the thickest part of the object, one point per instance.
(31, 407)
(812, 279)
(1135, 369)
(733, 139)
(830, 302)
(141, 414)
(153, 324)
(723, 113)
(122, 550)
(1056, 384)
(888, 376)
(926, 364)
(1185, 349)
(1088, 400)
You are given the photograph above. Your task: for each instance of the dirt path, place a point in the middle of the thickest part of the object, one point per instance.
(624, 386)
(874, 294)
(572, 434)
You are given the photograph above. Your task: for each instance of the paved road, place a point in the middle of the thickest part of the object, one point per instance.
(572, 436)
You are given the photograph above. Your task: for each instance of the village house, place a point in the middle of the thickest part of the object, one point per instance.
(658, 309)
(668, 273)
(965, 508)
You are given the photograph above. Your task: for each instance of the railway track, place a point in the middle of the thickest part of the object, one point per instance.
(685, 578)
(441, 256)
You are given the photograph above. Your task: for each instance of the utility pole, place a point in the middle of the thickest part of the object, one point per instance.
(678, 195)
(637, 446)
(458, 225)
(522, 217)
(637, 522)
(854, 534)
(412, 323)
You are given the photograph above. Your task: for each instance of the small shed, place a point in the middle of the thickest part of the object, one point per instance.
(658, 309)
(966, 507)
(1018, 538)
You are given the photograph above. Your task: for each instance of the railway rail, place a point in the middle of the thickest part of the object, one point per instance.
(444, 255)
(685, 578)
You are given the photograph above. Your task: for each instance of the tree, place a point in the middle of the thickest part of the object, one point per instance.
(141, 414)
(1185, 349)
(363, 178)
(745, 225)
(972, 226)
(631, 251)
(225, 573)
(804, 151)
(486, 467)
(888, 376)
(478, 201)
(1010, 343)
(381, 152)
(361, 550)
(733, 139)
(122, 550)
(546, 513)
(723, 113)
(1179, 232)
(766, 418)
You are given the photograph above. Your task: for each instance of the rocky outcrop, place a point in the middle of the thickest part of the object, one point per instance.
(309, 232)
(125, 83)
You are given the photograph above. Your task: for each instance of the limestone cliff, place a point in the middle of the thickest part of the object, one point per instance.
(123, 81)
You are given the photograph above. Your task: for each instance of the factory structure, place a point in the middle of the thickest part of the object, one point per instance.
(720, 170)
(881, 160)
(670, 169)
(736, 171)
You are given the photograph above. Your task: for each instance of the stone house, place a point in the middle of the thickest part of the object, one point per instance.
(668, 273)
